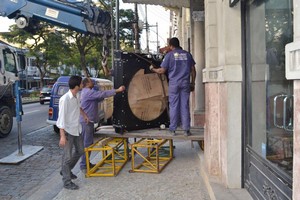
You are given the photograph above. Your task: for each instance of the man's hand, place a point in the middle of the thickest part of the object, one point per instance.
(120, 89)
(151, 67)
(192, 87)
(63, 139)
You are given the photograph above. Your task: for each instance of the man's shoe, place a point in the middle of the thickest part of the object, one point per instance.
(172, 133)
(71, 186)
(187, 133)
(73, 176)
(92, 165)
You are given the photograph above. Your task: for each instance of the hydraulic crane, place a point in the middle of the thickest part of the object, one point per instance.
(81, 16)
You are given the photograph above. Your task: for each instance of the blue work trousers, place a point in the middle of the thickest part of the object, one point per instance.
(88, 139)
(179, 102)
(70, 157)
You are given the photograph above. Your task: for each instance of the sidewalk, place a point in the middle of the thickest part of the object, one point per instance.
(182, 179)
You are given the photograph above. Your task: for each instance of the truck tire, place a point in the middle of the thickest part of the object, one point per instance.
(56, 129)
(6, 121)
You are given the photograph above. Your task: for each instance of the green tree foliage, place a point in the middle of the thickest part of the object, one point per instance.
(43, 44)
(126, 29)
(54, 46)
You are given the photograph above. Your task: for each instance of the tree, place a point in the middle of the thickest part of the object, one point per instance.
(41, 42)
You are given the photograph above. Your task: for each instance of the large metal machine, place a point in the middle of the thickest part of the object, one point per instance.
(81, 16)
(144, 104)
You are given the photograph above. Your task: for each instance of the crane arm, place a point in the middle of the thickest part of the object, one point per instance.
(82, 16)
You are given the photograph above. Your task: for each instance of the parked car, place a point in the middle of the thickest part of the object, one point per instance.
(45, 94)
(105, 108)
(34, 89)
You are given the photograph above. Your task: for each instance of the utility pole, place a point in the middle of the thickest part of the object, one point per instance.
(117, 26)
(136, 30)
(147, 29)
(157, 42)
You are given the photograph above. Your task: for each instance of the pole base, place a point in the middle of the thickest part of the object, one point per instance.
(17, 157)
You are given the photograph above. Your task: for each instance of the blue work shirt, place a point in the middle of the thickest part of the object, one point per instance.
(89, 102)
(178, 63)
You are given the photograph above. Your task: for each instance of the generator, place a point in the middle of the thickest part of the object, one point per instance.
(144, 103)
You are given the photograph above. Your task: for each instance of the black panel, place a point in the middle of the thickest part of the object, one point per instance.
(126, 65)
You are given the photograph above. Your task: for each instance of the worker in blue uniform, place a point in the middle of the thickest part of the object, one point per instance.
(180, 67)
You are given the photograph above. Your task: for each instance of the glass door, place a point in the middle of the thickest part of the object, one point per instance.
(269, 113)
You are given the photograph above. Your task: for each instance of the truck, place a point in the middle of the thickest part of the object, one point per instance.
(81, 16)
(12, 64)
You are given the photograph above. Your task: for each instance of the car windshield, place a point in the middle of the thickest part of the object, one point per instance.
(62, 90)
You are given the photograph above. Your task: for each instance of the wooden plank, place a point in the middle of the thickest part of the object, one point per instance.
(197, 134)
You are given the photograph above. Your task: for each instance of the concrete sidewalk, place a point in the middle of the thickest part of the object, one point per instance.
(182, 179)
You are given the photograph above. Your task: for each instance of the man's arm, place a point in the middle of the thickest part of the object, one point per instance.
(193, 74)
(192, 78)
(85, 117)
(61, 122)
(159, 70)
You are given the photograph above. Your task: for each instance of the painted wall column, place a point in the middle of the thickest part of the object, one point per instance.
(197, 15)
(199, 55)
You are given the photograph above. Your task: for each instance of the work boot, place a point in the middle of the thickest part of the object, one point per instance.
(71, 186)
(172, 132)
(73, 176)
(187, 133)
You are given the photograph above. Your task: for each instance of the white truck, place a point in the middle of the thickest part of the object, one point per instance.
(12, 63)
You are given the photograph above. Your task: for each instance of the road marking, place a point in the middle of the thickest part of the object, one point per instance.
(33, 111)
(40, 129)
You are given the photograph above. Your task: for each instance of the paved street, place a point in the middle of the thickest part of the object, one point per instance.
(17, 180)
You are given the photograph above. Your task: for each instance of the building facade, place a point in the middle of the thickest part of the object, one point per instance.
(247, 89)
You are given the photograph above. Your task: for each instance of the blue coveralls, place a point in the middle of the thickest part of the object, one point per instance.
(178, 63)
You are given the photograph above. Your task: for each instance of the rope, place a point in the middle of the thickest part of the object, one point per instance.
(105, 54)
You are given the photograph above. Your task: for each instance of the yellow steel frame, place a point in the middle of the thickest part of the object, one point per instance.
(114, 157)
(153, 162)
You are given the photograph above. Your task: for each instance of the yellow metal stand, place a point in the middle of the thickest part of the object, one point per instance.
(157, 158)
(114, 156)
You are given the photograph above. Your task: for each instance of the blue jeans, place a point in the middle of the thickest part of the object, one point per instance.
(69, 158)
(88, 139)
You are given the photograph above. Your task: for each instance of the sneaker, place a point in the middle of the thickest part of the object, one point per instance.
(73, 176)
(71, 186)
(172, 132)
(187, 133)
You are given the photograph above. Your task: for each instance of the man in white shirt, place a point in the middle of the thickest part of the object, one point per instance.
(70, 130)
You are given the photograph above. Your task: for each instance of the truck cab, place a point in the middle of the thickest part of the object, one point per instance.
(12, 62)
(60, 87)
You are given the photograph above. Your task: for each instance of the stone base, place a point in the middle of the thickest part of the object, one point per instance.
(199, 119)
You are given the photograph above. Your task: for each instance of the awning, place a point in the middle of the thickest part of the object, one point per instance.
(165, 3)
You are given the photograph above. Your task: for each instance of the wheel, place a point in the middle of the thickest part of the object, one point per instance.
(42, 102)
(6, 121)
(56, 129)
(21, 22)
